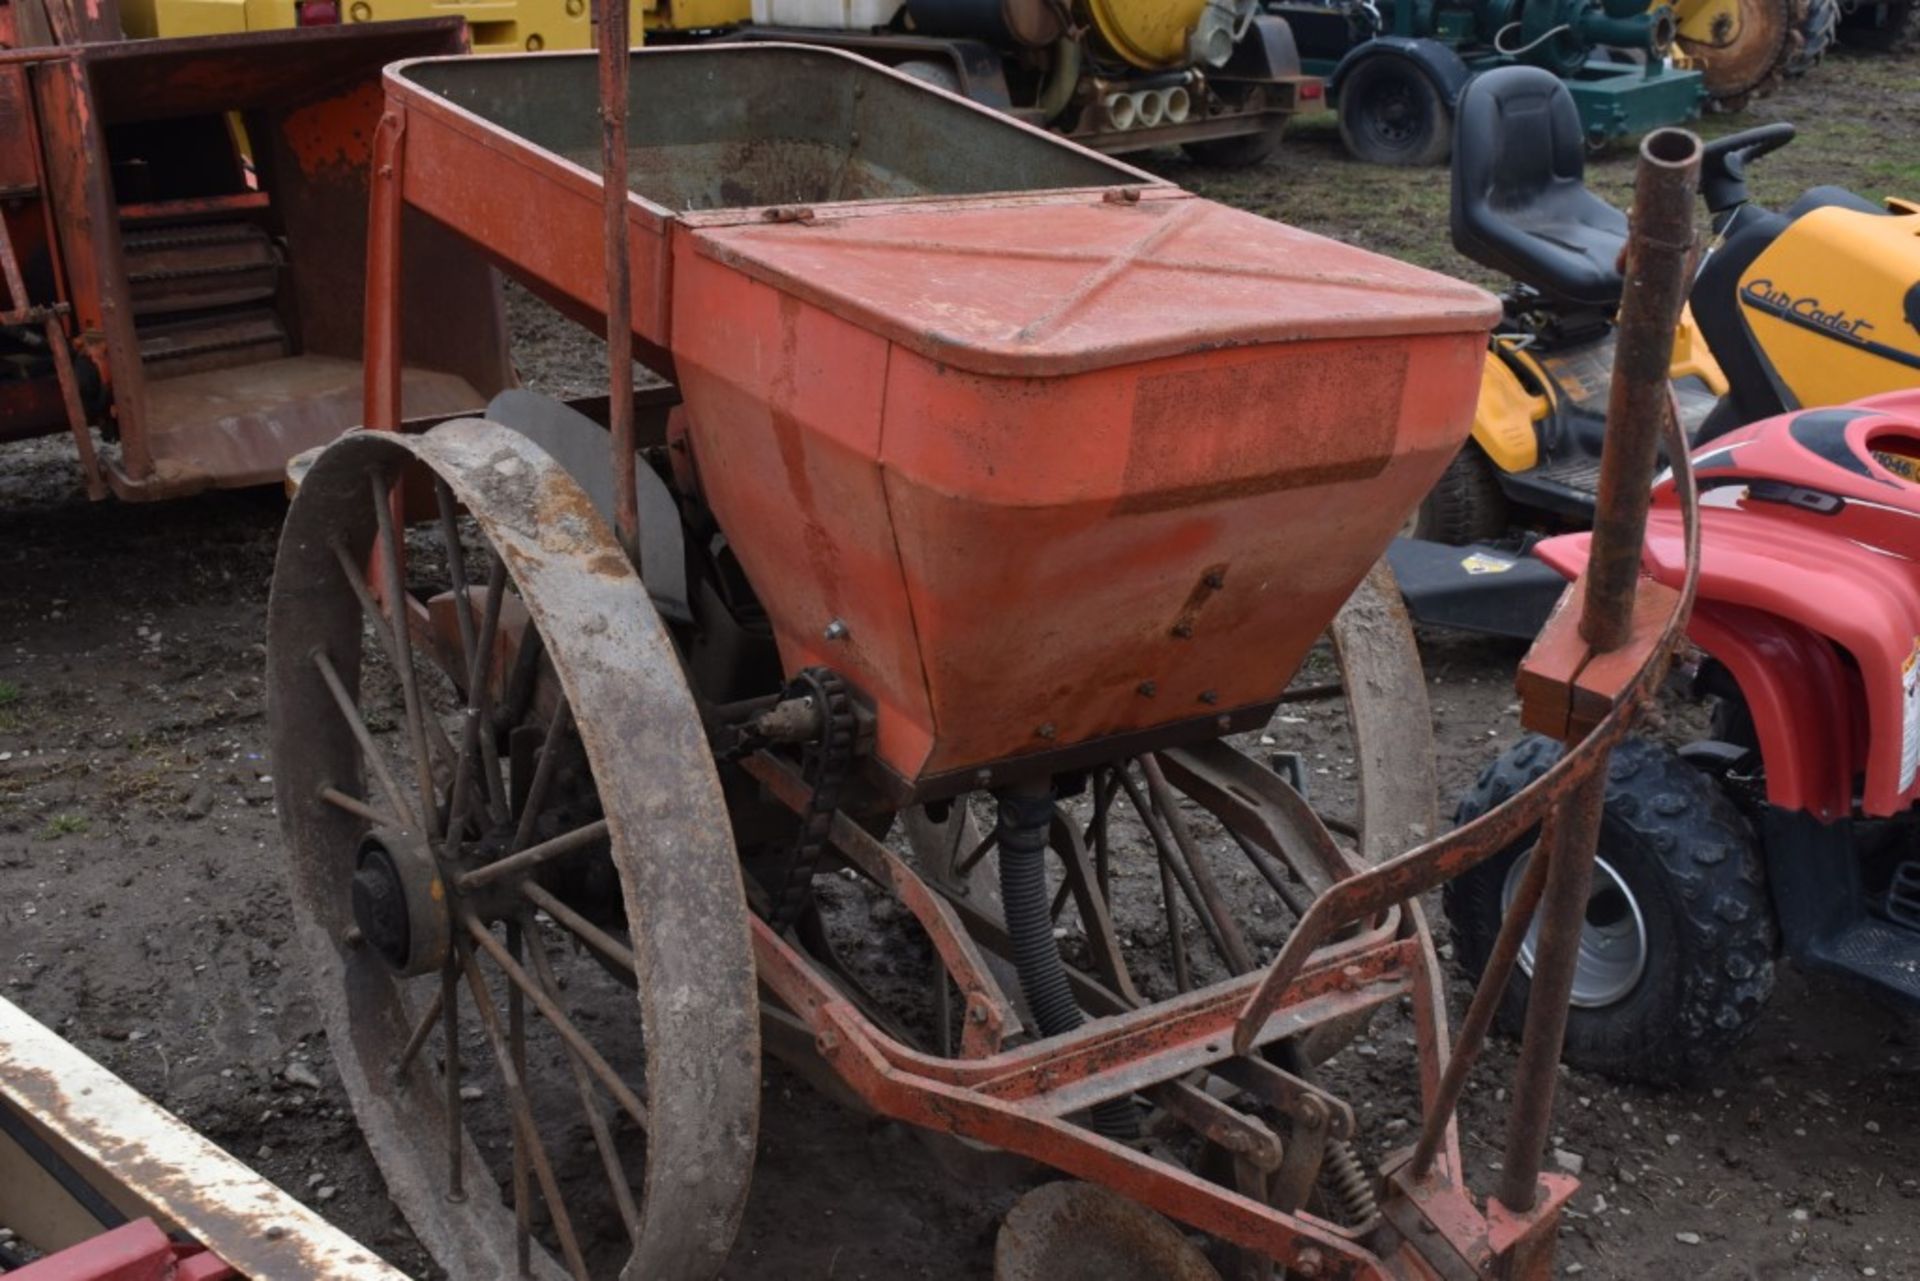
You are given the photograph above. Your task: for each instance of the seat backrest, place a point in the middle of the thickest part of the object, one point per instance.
(1520, 203)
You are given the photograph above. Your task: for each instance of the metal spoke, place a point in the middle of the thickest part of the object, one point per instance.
(1170, 863)
(610, 949)
(1238, 955)
(477, 686)
(517, 1042)
(376, 760)
(1275, 879)
(576, 1041)
(357, 807)
(456, 567)
(542, 773)
(965, 867)
(522, 1111)
(1176, 940)
(1314, 693)
(583, 1086)
(456, 1132)
(403, 643)
(436, 733)
(533, 856)
(421, 1030)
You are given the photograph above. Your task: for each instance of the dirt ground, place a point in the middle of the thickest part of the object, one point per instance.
(145, 918)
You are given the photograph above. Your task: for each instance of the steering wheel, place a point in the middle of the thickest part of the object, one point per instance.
(1724, 161)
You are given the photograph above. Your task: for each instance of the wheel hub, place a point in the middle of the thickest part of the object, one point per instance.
(1613, 938)
(400, 902)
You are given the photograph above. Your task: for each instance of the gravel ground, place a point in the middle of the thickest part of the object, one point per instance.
(145, 919)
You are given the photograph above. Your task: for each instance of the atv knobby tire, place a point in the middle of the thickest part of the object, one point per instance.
(1690, 861)
(1466, 505)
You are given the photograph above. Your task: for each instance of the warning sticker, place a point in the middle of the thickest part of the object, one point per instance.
(1483, 563)
(1910, 716)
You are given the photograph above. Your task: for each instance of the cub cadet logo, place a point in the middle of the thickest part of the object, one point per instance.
(1805, 312)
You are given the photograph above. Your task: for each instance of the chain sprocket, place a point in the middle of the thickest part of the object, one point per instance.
(825, 764)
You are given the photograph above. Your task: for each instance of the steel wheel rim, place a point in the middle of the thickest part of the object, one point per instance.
(618, 674)
(1613, 937)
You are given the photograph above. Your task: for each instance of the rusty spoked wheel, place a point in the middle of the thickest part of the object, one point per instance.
(473, 774)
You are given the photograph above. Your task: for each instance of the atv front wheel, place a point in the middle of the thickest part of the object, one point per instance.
(1676, 956)
(1465, 506)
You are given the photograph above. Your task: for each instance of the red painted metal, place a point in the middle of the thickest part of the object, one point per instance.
(1199, 428)
(136, 1251)
(1787, 591)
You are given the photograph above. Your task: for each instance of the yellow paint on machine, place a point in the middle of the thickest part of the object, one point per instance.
(1832, 303)
(1147, 33)
(498, 26)
(1505, 417)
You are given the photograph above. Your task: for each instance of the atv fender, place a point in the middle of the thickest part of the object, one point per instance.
(1438, 62)
(1778, 612)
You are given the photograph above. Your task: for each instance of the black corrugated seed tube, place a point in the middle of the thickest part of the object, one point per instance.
(1025, 813)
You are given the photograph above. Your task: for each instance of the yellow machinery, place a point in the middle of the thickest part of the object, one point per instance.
(1216, 77)
(497, 26)
(1743, 48)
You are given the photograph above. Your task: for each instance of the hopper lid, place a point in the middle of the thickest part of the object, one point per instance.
(1061, 283)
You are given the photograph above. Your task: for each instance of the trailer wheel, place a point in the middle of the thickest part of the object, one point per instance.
(1392, 114)
(502, 825)
(1465, 506)
(1242, 151)
(1676, 957)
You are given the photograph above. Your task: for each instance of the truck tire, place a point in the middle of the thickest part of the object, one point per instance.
(1817, 32)
(1391, 113)
(1465, 506)
(1678, 878)
(1242, 151)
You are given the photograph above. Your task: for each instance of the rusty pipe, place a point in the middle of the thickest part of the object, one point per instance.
(615, 64)
(1659, 250)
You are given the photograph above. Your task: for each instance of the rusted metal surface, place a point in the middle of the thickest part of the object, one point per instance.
(178, 273)
(681, 880)
(1660, 246)
(148, 1162)
(613, 41)
(1079, 1232)
(1659, 251)
(768, 283)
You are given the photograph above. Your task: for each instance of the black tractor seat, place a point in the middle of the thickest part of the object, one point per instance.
(1520, 201)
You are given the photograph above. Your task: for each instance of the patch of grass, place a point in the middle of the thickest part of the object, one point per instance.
(9, 693)
(65, 825)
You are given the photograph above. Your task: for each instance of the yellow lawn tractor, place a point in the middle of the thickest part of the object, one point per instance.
(1816, 305)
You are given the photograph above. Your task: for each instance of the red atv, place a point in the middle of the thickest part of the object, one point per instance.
(1793, 826)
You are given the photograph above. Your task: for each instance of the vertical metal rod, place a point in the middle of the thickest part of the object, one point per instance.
(1659, 247)
(614, 65)
(456, 1132)
(1486, 1002)
(1659, 252)
(380, 408)
(517, 1043)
